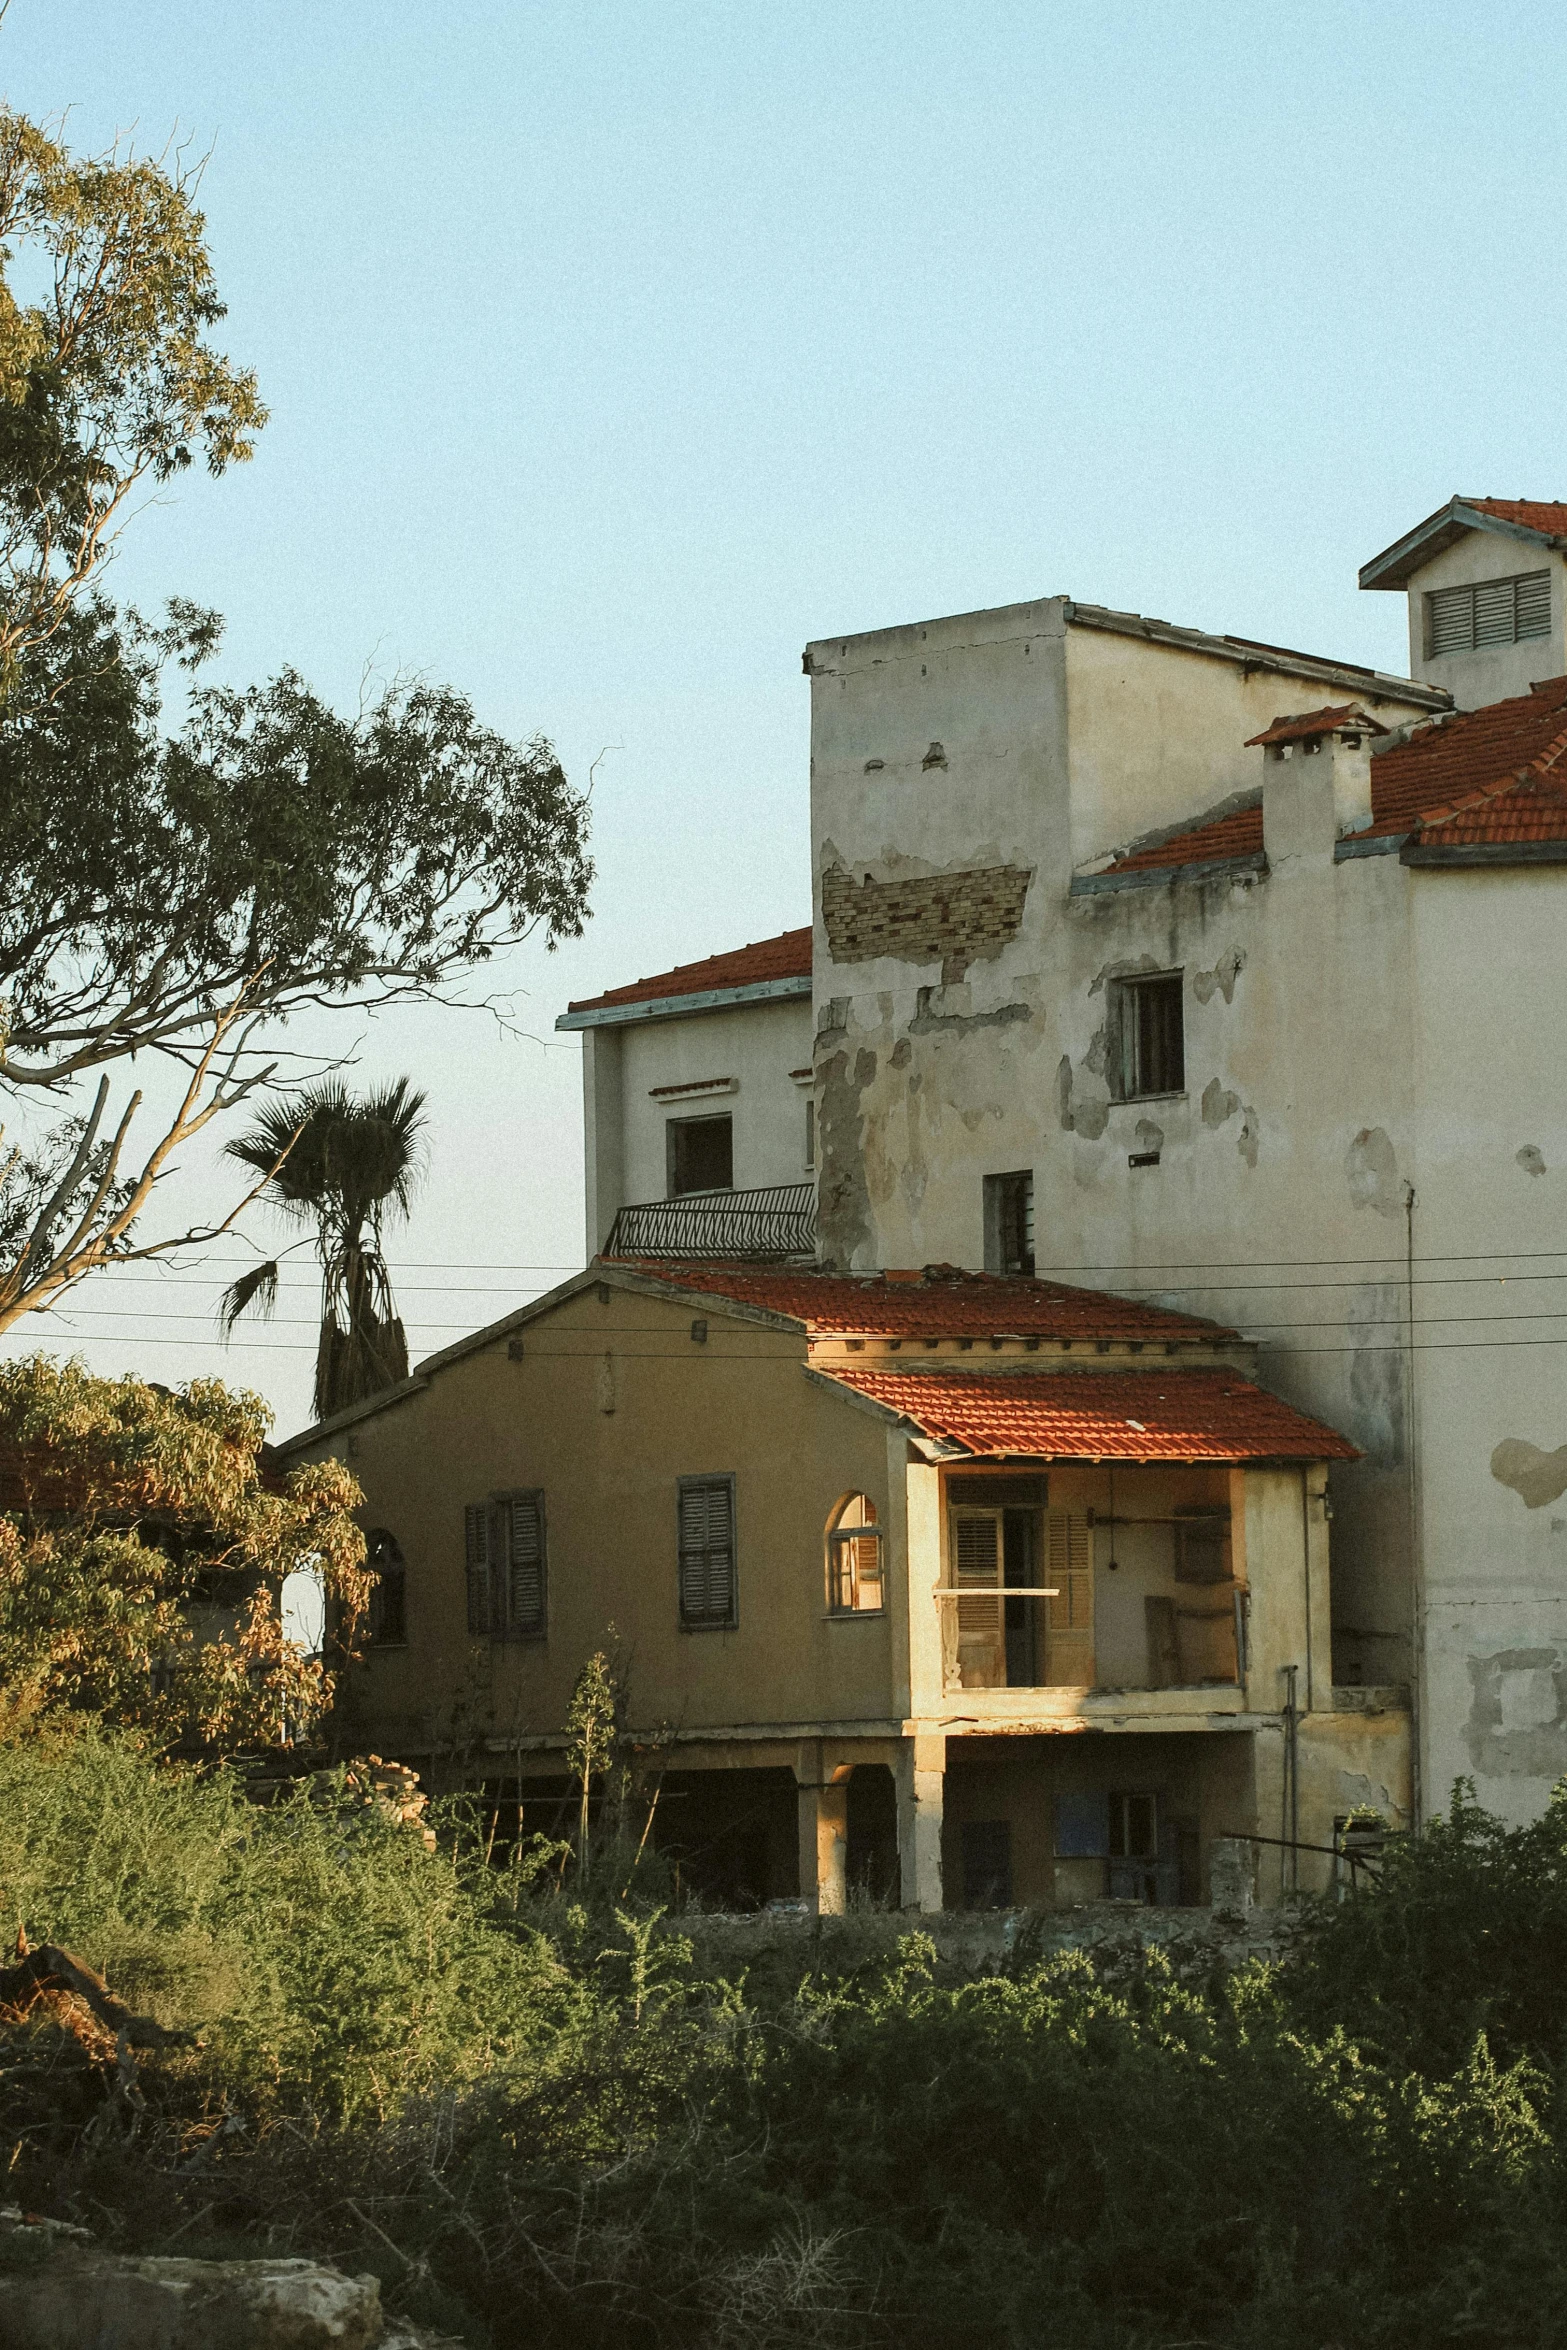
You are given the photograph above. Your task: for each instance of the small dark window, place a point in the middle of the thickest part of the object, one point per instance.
(707, 1553)
(1009, 1222)
(1202, 1545)
(987, 1864)
(1134, 1827)
(389, 1598)
(504, 1544)
(1153, 1045)
(701, 1155)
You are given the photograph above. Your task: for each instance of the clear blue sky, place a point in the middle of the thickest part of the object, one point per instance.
(613, 351)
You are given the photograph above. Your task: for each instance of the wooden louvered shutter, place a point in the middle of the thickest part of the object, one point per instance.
(707, 1551)
(977, 1558)
(1069, 1622)
(523, 1520)
(479, 1547)
(1450, 616)
(1534, 604)
(1495, 612)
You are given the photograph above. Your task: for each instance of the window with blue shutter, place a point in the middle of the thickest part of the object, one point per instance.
(707, 1553)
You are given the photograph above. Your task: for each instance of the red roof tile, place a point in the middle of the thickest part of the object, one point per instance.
(1543, 514)
(933, 1304)
(1102, 1415)
(1501, 770)
(786, 957)
(1519, 813)
(1239, 834)
(1460, 761)
(1311, 723)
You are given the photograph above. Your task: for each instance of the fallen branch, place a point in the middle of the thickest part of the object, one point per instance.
(49, 1969)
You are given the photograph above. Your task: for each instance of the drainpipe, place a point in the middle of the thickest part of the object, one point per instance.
(1416, 1561)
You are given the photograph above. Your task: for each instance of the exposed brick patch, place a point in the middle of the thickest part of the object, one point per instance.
(946, 918)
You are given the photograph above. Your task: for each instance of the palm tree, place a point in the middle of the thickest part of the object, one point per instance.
(341, 1165)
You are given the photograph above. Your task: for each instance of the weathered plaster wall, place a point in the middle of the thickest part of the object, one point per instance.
(1354, 1030)
(1492, 672)
(608, 1405)
(1491, 1367)
(1156, 736)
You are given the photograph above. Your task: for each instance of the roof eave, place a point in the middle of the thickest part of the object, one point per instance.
(1275, 660)
(1397, 564)
(674, 1007)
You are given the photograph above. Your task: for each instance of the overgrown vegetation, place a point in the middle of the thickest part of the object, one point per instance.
(520, 2095)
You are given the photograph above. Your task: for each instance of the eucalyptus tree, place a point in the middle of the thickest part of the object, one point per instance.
(169, 898)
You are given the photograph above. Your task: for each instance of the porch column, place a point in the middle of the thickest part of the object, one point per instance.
(922, 1772)
(823, 1798)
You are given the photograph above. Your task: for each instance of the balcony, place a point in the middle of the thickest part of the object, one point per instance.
(776, 1223)
(1144, 1597)
(1011, 1638)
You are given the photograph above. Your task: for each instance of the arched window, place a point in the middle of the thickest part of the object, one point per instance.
(388, 1600)
(854, 1577)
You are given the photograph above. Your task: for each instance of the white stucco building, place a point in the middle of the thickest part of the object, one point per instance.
(698, 1082)
(1217, 974)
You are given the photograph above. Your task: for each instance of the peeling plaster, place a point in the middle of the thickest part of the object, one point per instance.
(1516, 1728)
(1371, 1170)
(1218, 1104)
(964, 1023)
(1084, 1114)
(1536, 1476)
(901, 1055)
(1149, 1136)
(1249, 1141)
(1120, 970)
(1531, 1159)
(843, 1197)
(1223, 977)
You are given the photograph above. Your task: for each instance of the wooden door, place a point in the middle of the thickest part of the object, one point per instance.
(977, 1563)
(1069, 1617)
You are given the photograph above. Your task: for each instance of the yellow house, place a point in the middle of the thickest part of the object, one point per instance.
(970, 1589)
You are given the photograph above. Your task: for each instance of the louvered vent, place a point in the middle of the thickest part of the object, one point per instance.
(1492, 612)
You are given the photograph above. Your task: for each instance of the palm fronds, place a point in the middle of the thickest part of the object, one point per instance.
(341, 1164)
(256, 1288)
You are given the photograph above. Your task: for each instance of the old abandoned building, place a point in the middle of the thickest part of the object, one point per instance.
(964, 1588)
(1211, 977)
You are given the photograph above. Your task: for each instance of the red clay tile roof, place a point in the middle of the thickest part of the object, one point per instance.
(934, 1304)
(1239, 834)
(1459, 762)
(1543, 514)
(1519, 814)
(786, 957)
(1485, 777)
(1312, 723)
(1102, 1415)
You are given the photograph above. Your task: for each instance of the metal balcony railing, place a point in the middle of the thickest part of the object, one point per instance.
(775, 1221)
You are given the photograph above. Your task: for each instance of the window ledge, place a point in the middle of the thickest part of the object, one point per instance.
(1133, 1101)
(855, 1615)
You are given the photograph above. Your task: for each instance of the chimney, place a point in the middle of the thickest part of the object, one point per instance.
(1316, 780)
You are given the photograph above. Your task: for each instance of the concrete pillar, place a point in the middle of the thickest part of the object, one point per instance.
(824, 1834)
(921, 1777)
